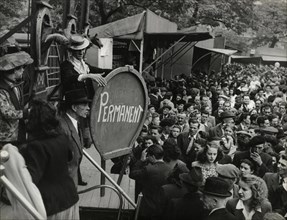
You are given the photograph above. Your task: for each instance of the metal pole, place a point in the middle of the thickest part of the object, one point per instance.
(164, 53)
(141, 56)
(138, 205)
(21, 198)
(109, 178)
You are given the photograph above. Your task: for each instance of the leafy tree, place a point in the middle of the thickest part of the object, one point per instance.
(11, 12)
(270, 22)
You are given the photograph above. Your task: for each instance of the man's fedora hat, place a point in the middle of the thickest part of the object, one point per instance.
(216, 186)
(227, 114)
(14, 60)
(77, 96)
(194, 177)
(78, 42)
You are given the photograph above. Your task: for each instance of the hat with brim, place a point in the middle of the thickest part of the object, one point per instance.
(270, 130)
(78, 42)
(244, 133)
(14, 60)
(77, 96)
(216, 186)
(227, 114)
(194, 177)
(223, 97)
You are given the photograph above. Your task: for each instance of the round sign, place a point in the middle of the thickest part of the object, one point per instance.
(118, 112)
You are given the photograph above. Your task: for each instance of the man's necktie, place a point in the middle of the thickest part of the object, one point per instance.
(190, 145)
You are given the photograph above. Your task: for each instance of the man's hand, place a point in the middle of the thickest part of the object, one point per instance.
(98, 78)
(143, 156)
(256, 157)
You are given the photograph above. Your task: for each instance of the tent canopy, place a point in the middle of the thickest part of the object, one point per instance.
(133, 27)
(218, 50)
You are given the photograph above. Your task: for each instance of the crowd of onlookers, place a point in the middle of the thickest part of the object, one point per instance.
(214, 146)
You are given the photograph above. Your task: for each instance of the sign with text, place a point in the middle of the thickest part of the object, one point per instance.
(118, 112)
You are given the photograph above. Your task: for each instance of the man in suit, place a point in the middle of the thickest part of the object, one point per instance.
(76, 107)
(152, 172)
(262, 161)
(190, 206)
(274, 180)
(227, 118)
(215, 195)
(190, 142)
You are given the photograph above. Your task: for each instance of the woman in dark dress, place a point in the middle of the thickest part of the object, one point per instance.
(47, 155)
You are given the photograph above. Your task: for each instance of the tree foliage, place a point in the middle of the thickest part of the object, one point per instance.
(270, 22)
(10, 12)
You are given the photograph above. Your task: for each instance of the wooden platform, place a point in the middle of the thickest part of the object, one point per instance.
(92, 176)
(92, 199)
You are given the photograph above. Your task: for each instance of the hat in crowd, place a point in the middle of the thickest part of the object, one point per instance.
(163, 107)
(194, 177)
(244, 133)
(256, 140)
(167, 122)
(76, 96)
(227, 114)
(14, 60)
(181, 102)
(270, 130)
(224, 97)
(78, 42)
(216, 186)
(163, 89)
(228, 171)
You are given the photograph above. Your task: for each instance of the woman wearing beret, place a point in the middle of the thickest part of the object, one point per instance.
(11, 108)
(47, 155)
(252, 203)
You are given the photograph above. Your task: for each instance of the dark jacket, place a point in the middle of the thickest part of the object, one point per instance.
(272, 182)
(152, 177)
(76, 145)
(47, 161)
(231, 207)
(188, 207)
(183, 143)
(265, 167)
(169, 192)
(221, 214)
(69, 78)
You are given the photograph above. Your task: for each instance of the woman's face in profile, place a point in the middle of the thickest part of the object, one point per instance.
(244, 192)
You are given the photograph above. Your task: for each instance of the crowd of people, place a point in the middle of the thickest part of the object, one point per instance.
(214, 146)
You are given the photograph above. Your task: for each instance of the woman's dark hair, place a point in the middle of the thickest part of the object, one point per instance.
(170, 150)
(156, 151)
(42, 120)
(202, 158)
(249, 163)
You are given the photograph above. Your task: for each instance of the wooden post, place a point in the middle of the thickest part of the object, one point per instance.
(103, 180)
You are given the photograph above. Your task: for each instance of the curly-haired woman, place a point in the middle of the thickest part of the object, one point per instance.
(47, 155)
(252, 203)
(207, 160)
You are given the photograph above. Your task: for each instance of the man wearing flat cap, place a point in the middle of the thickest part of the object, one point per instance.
(76, 106)
(230, 174)
(262, 161)
(11, 99)
(227, 118)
